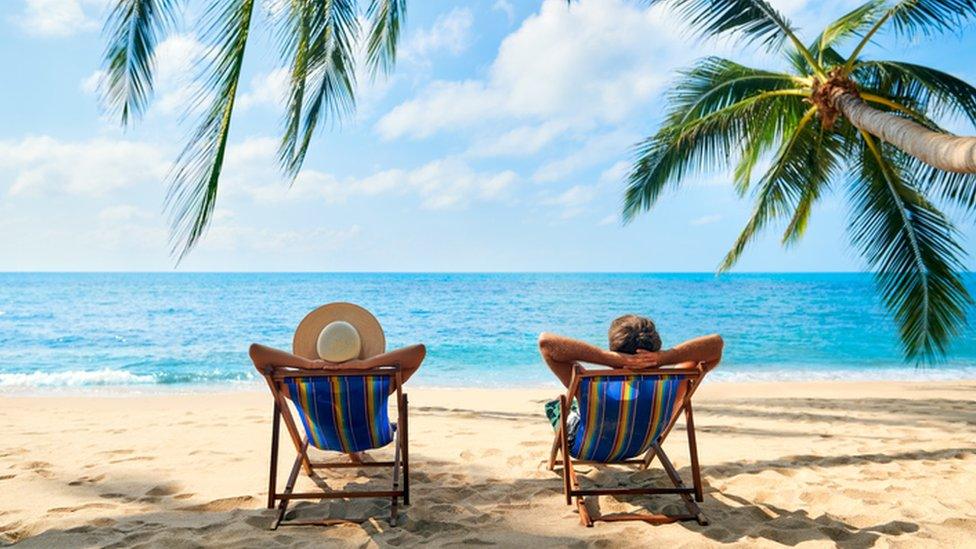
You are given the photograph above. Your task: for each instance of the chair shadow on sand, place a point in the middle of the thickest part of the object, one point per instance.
(734, 518)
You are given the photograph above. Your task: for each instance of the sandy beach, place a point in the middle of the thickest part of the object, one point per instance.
(797, 464)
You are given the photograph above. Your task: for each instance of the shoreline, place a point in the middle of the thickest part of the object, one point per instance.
(258, 387)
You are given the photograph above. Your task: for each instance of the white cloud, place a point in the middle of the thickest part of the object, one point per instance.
(611, 219)
(573, 200)
(616, 173)
(175, 61)
(590, 62)
(520, 141)
(705, 220)
(247, 238)
(505, 7)
(443, 183)
(270, 89)
(451, 32)
(40, 165)
(123, 212)
(595, 150)
(55, 18)
(90, 84)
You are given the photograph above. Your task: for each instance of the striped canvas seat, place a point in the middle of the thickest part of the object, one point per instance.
(621, 416)
(343, 413)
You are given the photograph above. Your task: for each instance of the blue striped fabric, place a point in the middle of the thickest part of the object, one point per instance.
(621, 416)
(343, 413)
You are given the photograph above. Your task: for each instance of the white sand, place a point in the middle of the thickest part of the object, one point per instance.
(815, 464)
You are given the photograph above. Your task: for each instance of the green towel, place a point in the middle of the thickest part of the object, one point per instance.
(552, 412)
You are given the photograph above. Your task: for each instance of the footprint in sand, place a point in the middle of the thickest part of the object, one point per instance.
(86, 480)
(39, 468)
(116, 495)
(136, 458)
(163, 490)
(122, 452)
(222, 505)
(7, 477)
(81, 508)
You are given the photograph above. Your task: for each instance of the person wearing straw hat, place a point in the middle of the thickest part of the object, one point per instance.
(339, 336)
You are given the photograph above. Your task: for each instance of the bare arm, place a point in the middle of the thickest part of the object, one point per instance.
(268, 357)
(408, 358)
(561, 353)
(705, 350)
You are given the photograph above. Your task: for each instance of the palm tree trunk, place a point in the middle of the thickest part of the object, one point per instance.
(943, 151)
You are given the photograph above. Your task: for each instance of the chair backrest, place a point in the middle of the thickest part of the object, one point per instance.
(344, 413)
(622, 414)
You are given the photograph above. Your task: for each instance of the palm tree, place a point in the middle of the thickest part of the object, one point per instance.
(833, 120)
(320, 42)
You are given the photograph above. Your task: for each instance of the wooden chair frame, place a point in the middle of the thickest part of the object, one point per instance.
(571, 484)
(275, 376)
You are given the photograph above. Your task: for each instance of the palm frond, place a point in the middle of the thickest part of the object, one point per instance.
(912, 248)
(802, 167)
(322, 76)
(927, 17)
(914, 17)
(927, 90)
(134, 28)
(714, 83)
(852, 23)
(714, 109)
(386, 17)
(955, 188)
(756, 20)
(194, 179)
(753, 20)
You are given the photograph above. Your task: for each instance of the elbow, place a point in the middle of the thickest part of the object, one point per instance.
(719, 345)
(256, 353)
(253, 351)
(545, 342)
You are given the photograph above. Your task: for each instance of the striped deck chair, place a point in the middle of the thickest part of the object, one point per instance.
(341, 411)
(623, 415)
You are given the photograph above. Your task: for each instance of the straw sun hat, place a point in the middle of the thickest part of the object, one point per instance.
(338, 332)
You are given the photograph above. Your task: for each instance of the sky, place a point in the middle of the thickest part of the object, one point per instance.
(501, 142)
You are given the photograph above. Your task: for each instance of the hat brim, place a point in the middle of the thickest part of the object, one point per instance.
(370, 331)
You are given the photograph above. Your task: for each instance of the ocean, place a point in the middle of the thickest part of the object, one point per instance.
(97, 332)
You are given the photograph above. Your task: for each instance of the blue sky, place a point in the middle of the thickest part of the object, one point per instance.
(499, 144)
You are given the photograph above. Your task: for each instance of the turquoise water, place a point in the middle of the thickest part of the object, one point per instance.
(153, 331)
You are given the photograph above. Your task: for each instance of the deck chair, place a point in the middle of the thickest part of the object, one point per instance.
(623, 415)
(342, 411)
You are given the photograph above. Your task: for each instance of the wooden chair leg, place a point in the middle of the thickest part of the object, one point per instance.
(648, 457)
(406, 452)
(289, 487)
(676, 480)
(584, 513)
(272, 477)
(554, 452)
(396, 480)
(693, 450)
(564, 442)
